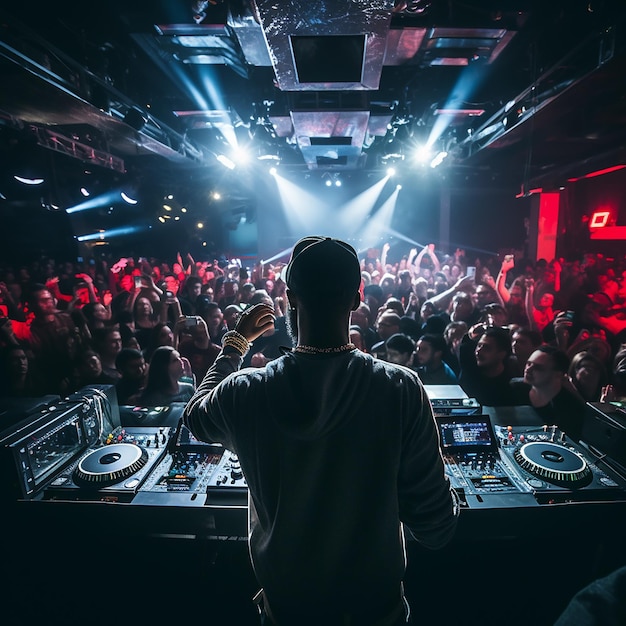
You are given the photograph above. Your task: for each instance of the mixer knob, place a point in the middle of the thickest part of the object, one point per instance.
(236, 473)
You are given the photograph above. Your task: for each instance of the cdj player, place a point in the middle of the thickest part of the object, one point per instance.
(525, 466)
(474, 467)
(114, 471)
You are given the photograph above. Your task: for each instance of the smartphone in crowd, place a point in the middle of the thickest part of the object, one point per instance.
(471, 271)
(191, 320)
(137, 280)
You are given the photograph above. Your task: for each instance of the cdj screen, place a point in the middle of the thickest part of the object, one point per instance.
(463, 433)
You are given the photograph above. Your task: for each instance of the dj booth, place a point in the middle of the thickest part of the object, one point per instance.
(126, 499)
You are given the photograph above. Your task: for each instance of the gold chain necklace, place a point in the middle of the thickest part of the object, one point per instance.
(313, 350)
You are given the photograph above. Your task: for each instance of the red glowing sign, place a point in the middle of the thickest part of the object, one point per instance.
(599, 219)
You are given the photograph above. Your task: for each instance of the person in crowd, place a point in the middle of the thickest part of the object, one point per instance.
(361, 317)
(432, 369)
(357, 337)
(89, 371)
(192, 340)
(494, 314)
(145, 318)
(124, 285)
(54, 340)
(458, 298)
(616, 390)
(484, 373)
(16, 380)
(133, 369)
(513, 298)
(485, 295)
(399, 349)
(231, 315)
(192, 289)
(164, 384)
(325, 399)
(107, 342)
(96, 315)
(589, 376)
(541, 313)
(162, 335)
(546, 387)
(387, 324)
(426, 258)
(373, 297)
(453, 333)
(245, 294)
(523, 343)
(214, 318)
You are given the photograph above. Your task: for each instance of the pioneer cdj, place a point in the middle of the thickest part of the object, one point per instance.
(114, 471)
(525, 466)
(558, 469)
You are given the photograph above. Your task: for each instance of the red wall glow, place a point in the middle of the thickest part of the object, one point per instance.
(548, 225)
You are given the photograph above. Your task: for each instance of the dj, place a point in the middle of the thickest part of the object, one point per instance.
(338, 449)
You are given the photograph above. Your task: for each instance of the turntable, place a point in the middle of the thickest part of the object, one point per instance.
(109, 465)
(556, 468)
(112, 472)
(554, 463)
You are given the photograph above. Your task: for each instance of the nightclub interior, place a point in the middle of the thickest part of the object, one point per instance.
(158, 163)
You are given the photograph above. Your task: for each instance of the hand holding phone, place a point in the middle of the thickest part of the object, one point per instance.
(471, 271)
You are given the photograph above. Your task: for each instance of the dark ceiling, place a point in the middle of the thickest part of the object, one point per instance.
(519, 94)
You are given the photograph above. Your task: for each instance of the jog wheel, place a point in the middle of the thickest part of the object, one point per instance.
(110, 464)
(554, 463)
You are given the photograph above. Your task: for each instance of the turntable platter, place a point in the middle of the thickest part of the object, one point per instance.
(554, 463)
(110, 464)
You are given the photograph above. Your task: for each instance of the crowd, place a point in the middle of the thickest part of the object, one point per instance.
(549, 334)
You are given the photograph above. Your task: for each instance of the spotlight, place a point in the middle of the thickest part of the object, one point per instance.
(216, 195)
(167, 207)
(398, 187)
(337, 182)
(225, 161)
(391, 171)
(84, 192)
(200, 225)
(438, 160)
(328, 182)
(422, 154)
(273, 171)
(29, 181)
(128, 199)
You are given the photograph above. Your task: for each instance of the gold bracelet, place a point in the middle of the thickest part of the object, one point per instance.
(236, 340)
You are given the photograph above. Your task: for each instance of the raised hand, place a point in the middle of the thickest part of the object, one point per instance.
(255, 321)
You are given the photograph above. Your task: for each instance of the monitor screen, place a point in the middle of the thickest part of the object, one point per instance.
(465, 432)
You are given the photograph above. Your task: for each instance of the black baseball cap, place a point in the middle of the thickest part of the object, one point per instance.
(323, 265)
